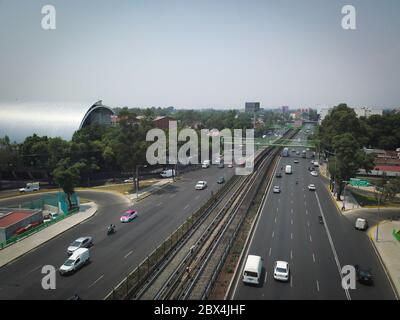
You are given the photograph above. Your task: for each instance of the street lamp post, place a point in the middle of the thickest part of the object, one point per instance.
(137, 178)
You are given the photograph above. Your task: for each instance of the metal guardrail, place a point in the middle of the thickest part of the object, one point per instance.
(138, 277)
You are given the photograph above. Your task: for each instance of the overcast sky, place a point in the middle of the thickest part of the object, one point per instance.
(201, 53)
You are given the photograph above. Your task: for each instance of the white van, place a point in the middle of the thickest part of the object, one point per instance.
(288, 169)
(252, 270)
(206, 164)
(168, 173)
(76, 261)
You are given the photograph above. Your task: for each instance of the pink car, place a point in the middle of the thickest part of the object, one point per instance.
(128, 216)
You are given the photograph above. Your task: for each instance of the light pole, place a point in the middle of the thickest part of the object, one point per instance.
(137, 178)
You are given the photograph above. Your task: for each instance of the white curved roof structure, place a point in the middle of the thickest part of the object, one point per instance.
(20, 120)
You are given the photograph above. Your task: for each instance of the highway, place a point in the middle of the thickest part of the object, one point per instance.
(288, 229)
(112, 257)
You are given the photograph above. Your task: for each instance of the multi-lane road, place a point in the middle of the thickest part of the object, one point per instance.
(112, 257)
(288, 229)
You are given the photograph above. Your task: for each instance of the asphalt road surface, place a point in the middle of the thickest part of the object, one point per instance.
(112, 257)
(289, 230)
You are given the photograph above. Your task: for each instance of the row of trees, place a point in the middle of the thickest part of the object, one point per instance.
(342, 136)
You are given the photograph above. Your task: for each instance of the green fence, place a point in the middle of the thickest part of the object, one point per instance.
(53, 200)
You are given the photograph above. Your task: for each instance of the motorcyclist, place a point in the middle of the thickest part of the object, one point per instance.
(111, 228)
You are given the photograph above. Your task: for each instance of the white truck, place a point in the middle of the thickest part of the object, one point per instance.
(252, 270)
(288, 169)
(30, 187)
(168, 173)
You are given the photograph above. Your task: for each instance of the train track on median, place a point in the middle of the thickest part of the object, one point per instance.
(185, 271)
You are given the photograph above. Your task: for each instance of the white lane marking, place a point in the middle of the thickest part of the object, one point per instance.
(310, 238)
(186, 207)
(96, 281)
(266, 276)
(291, 236)
(270, 250)
(275, 219)
(291, 221)
(33, 270)
(277, 209)
(308, 223)
(313, 257)
(291, 281)
(291, 255)
(291, 210)
(317, 285)
(306, 212)
(279, 200)
(332, 245)
(128, 254)
(273, 234)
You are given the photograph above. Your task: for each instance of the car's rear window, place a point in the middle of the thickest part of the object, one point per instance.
(251, 274)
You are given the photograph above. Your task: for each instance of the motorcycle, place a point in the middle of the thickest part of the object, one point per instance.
(111, 230)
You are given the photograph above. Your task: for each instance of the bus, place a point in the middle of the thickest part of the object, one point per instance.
(285, 152)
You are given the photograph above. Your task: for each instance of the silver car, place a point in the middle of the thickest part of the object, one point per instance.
(82, 242)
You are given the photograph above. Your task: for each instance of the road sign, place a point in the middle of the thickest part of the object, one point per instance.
(359, 183)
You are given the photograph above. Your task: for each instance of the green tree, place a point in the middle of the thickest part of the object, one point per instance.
(68, 177)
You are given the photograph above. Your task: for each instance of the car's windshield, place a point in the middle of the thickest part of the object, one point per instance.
(76, 243)
(69, 262)
(281, 270)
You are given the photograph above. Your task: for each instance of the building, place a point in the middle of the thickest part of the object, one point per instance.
(162, 122)
(20, 120)
(285, 109)
(252, 107)
(15, 221)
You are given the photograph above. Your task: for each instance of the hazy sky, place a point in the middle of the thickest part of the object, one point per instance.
(201, 53)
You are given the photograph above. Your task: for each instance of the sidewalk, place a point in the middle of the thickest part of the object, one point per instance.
(29, 243)
(148, 191)
(389, 250)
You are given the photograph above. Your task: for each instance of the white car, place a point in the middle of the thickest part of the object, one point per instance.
(311, 187)
(129, 180)
(201, 185)
(281, 271)
(230, 165)
(277, 189)
(361, 224)
(314, 173)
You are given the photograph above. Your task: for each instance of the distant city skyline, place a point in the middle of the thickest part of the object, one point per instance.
(201, 54)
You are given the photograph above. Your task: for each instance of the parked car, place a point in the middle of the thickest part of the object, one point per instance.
(221, 180)
(82, 242)
(363, 276)
(201, 185)
(128, 216)
(281, 271)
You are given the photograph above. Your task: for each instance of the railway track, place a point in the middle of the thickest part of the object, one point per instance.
(186, 273)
